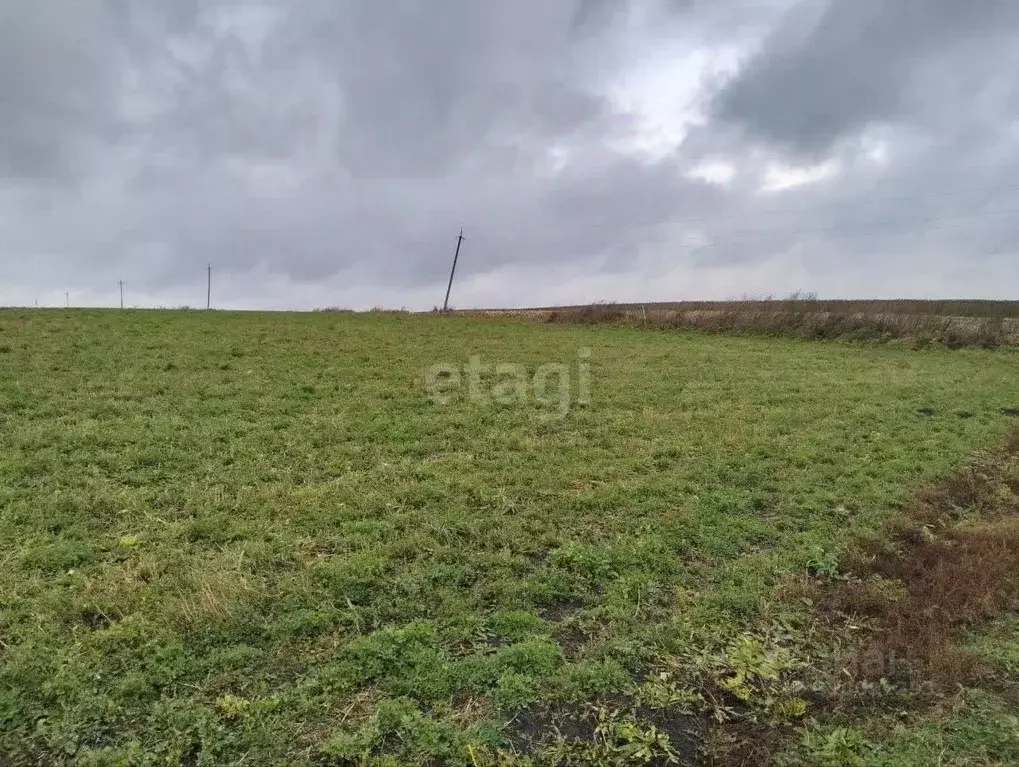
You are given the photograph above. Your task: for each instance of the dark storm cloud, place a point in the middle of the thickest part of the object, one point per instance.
(929, 84)
(422, 86)
(833, 67)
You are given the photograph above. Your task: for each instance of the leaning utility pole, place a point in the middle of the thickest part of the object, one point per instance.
(208, 289)
(121, 283)
(459, 242)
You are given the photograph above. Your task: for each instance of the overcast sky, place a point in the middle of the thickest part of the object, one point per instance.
(326, 152)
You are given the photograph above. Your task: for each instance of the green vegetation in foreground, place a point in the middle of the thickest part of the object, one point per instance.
(253, 538)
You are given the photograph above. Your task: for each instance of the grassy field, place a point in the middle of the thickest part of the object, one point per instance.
(246, 538)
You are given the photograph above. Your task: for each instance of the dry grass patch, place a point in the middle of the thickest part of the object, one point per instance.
(951, 563)
(807, 319)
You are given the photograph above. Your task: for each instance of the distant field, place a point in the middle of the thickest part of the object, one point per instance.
(944, 308)
(256, 538)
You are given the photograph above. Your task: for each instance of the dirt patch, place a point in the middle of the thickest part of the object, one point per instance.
(938, 587)
(531, 727)
(96, 620)
(572, 639)
(569, 730)
(563, 608)
(685, 732)
(950, 563)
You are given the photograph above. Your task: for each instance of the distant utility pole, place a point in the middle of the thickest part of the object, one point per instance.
(208, 289)
(121, 283)
(456, 256)
(67, 299)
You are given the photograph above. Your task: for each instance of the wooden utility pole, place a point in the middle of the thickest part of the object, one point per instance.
(208, 289)
(456, 256)
(121, 283)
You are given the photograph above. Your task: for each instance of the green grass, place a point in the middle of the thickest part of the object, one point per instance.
(976, 730)
(254, 538)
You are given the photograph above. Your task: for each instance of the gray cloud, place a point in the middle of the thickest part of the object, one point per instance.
(56, 88)
(332, 150)
(833, 68)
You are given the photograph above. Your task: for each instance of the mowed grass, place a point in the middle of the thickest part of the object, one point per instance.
(254, 538)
